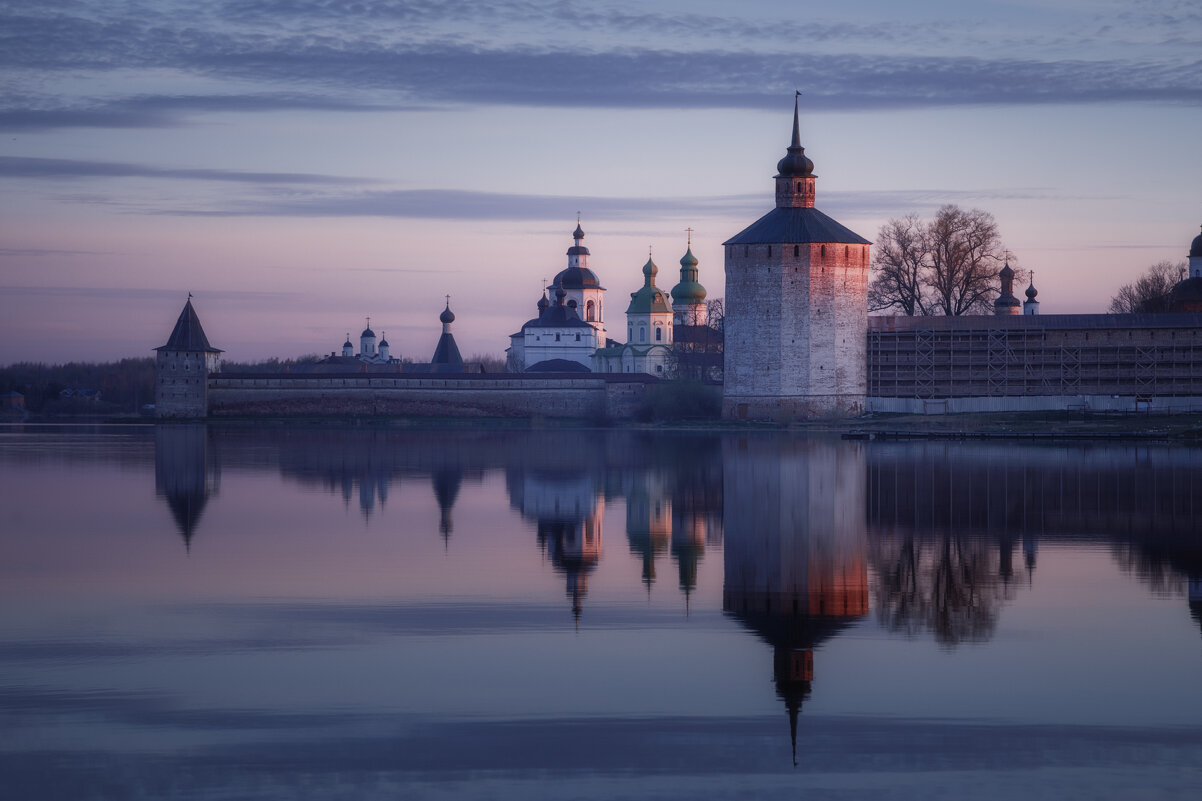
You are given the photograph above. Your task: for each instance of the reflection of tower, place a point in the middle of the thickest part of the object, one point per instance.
(795, 553)
(446, 491)
(183, 475)
(569, 511)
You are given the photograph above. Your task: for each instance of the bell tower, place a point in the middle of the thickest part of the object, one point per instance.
(796, 306)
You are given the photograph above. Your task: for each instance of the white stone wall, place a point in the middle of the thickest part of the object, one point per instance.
(796, 324)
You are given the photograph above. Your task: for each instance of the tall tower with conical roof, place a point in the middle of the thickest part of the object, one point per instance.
(796, 306)
(182, 368)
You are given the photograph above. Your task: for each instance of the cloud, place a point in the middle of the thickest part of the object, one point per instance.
(329, 47)
(56, 169)
(162, 111)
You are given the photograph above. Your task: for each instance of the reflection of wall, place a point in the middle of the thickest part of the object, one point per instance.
(795, 550)
(183, 473)
(934, 487)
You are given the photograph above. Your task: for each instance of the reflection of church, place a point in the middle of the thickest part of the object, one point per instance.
(795, 550)
(568, 510)
(184, 474)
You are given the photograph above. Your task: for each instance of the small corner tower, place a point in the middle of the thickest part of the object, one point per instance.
(796, 306)
(446, 354)
(182, 368)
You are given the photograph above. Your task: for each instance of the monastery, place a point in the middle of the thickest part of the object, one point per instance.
(799, 343)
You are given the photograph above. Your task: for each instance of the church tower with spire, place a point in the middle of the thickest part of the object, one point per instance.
(796, 306)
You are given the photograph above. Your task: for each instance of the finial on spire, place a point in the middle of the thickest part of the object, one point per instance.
(448, 297)
(189, 296)
(690, 232)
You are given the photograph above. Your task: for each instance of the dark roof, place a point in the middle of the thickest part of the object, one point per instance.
(1195, 248)
(447, 351)
(188, 334)
(1187, 291)
(577, 278)
(557, 315)
(795, 225)
(557, 366)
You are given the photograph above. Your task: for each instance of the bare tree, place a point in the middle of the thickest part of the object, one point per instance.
(899, 261)
(1150, 292)
(947, 266)
(965, 254)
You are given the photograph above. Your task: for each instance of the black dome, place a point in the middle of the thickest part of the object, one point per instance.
(367, 332)
(447, 315)
(1195, 248)
(577, 278)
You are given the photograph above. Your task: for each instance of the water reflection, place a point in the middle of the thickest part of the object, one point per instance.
(184, 473)
(795, 564)
(757, 570)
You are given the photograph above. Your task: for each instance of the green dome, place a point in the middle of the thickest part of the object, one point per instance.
(650, 299)
(688, 292)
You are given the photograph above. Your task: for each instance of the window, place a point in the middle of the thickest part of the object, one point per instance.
(590, 311)
(642, 334)
(769, 251)
(796, 251)
(799, 186)
(578, 337)
(824, 251)
(846, 251)
(659, 334)
(557, 337)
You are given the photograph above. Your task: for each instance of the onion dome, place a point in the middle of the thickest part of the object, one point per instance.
(577, 278)
(367, 332)
(578, 249)
(795, 164)
(1195, 248)
(650, 299)
(447, 317)
(1031, 290)
(688, 291)
(384, 341)
(1006, 274)
(543, 303)
(347, 344)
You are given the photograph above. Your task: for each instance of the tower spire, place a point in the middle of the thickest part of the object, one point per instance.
(796, 121)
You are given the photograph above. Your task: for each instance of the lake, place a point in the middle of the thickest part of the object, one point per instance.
(296, 612)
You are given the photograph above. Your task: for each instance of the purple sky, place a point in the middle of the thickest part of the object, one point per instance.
(302, 164)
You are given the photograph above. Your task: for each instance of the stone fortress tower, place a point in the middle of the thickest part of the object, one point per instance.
(182, 368)
(796, 306)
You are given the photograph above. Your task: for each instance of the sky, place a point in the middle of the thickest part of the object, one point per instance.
(301, 165)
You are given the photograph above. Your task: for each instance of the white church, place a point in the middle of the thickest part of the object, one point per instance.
(569, 333)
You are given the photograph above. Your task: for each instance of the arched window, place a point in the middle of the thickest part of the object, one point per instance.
(590, 311)
(659, 334)
(642, 334)
(799, 186)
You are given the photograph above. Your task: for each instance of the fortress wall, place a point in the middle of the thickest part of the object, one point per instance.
(271, 396)
(1035, 362)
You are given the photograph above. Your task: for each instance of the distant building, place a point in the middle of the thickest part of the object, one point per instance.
(648, 347)
(1187, 295)
(446, 353)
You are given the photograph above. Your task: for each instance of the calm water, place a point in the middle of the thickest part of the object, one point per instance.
(293, 613)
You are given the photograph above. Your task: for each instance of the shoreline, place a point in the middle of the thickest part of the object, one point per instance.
(998, 426)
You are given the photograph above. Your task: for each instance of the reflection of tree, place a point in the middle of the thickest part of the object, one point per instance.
(1170, 566)
(950, 586)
